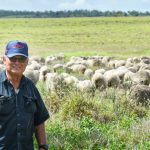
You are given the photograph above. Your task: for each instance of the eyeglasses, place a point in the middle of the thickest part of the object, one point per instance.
(21, 59)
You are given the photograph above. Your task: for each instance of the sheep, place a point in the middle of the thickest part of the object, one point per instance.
(85, 86)
(38, 59)
(95, 57)
(64, 75)
(99, 81)
(88, 73)
(133, 60)
(32, 74)
(119, 63)
(133, 69)
(106, 60)
(43, 71)
(94, 62)
(75, 58)
(129, 60)
(53, 82)
(129, 64)
(136, 60)
(57, 67)
(140, 94)
(144, 67)
(78, 68)
(112, 78)
(51, 60)
(145, 60)
(57, 84)
(70, 81)
(140, 77)
(34, 65)
(111, 64)
(127, 80)
(101, 71)
(76, 62)
(120, 71)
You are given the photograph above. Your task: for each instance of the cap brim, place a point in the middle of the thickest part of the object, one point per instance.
(15, 54)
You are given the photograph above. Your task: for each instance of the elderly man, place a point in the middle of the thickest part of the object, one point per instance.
(22, 111)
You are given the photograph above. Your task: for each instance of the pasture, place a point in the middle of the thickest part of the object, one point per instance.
(107, 120)
(120, 37)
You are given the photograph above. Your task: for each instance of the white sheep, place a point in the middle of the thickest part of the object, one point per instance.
(99, 81)
(101, 71)
(112, 78)
(51, 60)
(57, 67)
(55, 84)
(94, 62)
(85, 86)
(119, 63)
(78, 68)
(144, 67)
(52, 80)
(140, 94)
(106, 60)
(140, 77)
(111, 64)
(64, 75)
(32, 74)
(43, 71)
(120, 71)
(88, 73)
(70, 80)
(34, 65)
(38, 59)
(133, 69)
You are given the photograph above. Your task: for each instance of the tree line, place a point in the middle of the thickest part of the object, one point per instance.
(69, 13)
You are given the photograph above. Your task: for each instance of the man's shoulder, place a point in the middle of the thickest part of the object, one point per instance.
(29, 83)
(27, 80)
(2, 76)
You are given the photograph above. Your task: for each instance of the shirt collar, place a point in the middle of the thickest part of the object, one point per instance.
(3, 78)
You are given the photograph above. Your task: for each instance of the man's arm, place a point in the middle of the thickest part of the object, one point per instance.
(40, 135)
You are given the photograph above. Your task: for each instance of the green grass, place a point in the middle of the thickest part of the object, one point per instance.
(106, 121)
(79, 122)
(103, 122)
(120, 37)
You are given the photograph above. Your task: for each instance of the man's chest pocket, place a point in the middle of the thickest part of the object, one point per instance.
(6, 105)
(29, 105)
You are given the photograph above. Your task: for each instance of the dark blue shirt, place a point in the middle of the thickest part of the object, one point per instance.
(19, 114)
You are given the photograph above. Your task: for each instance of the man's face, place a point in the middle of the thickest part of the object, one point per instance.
(16, 64)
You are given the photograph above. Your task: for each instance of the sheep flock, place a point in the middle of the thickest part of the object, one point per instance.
(90, 74)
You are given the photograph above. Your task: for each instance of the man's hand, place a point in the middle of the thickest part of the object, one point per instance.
(41, 136)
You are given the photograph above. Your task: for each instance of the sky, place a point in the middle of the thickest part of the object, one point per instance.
(57, 5)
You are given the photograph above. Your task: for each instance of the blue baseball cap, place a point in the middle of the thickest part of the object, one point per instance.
(14, 48)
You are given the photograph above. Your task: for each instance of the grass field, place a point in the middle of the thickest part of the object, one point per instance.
(102, 122)
(120, 37)
(107, 121)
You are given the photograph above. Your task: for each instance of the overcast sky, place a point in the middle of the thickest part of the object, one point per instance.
(55, 5)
